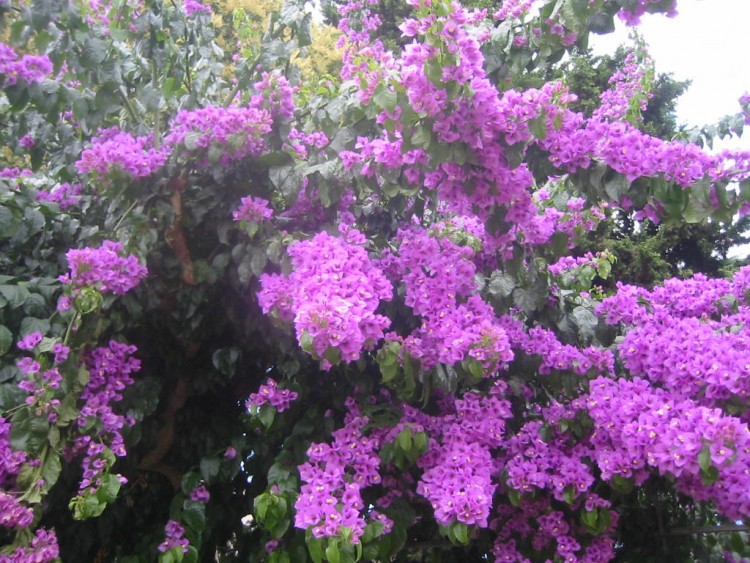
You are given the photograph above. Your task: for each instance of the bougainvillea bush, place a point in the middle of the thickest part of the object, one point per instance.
(245, 317)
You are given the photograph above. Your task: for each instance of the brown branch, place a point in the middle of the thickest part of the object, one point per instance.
(165, 438)
(176, 235)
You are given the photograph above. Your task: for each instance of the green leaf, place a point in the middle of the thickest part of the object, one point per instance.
(51, 469)
(386, 99)
(107, 491)
(267, 414)
(404, 440)
(32, 324)
(704, 458)
(28, 431)
(422, 137)
(333, 554)
(501, 284)
(16, 295)
(6, 339)
(210, 466)
(538, 127)
(461, 532)
(192, 139)
(616, 187)
(315, 547)
(194, 515)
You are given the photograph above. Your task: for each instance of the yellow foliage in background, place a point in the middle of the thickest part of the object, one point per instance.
(323, 57)
(259, 8)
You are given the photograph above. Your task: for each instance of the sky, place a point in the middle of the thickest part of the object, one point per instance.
(707, 42)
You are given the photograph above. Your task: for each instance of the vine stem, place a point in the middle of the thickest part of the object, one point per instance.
(127, 212)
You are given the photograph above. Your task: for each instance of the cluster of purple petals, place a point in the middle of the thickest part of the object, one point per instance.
(174, 537)
(574, 141)
(331, 295)
(253, 209)
(554, 354)
(236, 131)
(13, 514)
(628, 85)
(65, 195)
(10, 460)
(459, 484)
(638, 426)
(200, 494)
(193, 7)
(14, 172)
(110, 368)
(438, 275)
(42, 549)
(567, 263)
(115, 152)
(301, 142)
(512, 9)
(30, 68)
(459, 466)
(270, 394)
(105, 268)
(41, 384)
(631, 15)
(334, 476)
(99, 12)
(713, 364)
(538, 523)
(357, 24)
(275, 96)
(534, 464)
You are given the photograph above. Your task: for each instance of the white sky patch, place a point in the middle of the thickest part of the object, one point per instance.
(707, 42)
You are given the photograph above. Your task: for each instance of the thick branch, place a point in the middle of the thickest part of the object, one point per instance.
(176, 235)
(165, 438)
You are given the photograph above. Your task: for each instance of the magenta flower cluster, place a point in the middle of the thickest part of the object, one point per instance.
(65, 195)
(331, 296)
(42, 549)
(568, 263)
(174, 537)
(193, 7)
(459, 477)
(629, 88)
(13, 514)
(233, 132)
(111, 369)
(114, 152)
(253, 209)
(269, 393)
(105, 268)
(714, 363)
(631, 14)
(274, 95)
(29, 68)
(438, 276)
(334, 476)
(554, 355)
(301, 142)
(639, 426)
